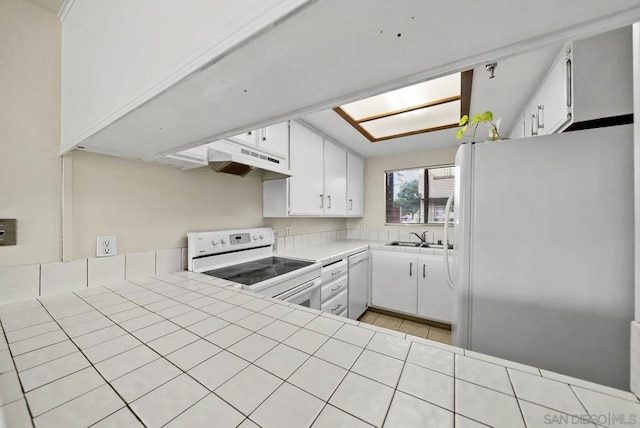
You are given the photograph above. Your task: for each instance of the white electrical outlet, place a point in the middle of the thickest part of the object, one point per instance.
(288, 230)
(106, 246)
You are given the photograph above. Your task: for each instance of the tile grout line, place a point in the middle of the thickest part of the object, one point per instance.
(586, 412)
(395, 389)
(180, 369)
(515, 396)
(97, 371)
(118, 292)
(342, 380)
(24, 397)
(160, 357)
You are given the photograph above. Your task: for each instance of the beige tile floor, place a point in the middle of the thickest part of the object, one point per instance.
(407, 326)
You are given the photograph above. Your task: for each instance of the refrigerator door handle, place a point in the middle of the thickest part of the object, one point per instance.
(445, 242)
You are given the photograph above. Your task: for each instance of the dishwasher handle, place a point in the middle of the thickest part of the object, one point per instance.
(358, 258)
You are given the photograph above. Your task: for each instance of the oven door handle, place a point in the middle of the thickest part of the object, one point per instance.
(291, 294)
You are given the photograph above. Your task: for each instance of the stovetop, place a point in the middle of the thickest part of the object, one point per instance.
(250, 273)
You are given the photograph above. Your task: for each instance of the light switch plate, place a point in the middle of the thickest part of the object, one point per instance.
(8, 231)
(106, 246)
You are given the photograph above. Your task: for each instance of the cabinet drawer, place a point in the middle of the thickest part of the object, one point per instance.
(334, 270)
(337, 304)
(333, 288)
(343, 314)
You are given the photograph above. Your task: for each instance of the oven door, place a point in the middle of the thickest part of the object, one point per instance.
(307, 294)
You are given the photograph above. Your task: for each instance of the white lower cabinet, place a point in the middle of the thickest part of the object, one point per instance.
(394, 283)
(335, 285)
(435, 298)
(412, 284)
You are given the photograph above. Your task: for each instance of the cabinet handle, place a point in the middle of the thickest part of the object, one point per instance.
(350, 204)
(410, 269)
(335, 272)
(321, 200)
(335, 308)
(424, 271)
(336, 288)
(264, 134)
(569, 94)
(329, 198)
(534, 130)
(541, 117)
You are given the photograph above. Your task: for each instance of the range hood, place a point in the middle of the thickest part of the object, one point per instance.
(231, 158)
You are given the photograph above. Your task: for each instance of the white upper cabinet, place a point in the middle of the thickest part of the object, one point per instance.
(275, 139)
(551, 106)
(306, 186)
(591, 79)
(321, 178)
(335, 180)
(249, 138)
(272, 139)
(355, 186)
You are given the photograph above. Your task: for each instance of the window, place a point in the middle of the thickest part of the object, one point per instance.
(428, 106)
(418, 195)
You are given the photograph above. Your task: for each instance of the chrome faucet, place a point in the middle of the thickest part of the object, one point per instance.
(422, 237)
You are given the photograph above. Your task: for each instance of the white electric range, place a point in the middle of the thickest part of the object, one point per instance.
(246, 256)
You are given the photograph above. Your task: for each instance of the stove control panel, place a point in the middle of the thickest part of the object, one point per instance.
(239, 238)
(202, 244)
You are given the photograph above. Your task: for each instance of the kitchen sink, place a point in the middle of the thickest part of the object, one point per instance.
(416, 244)
(407, 244)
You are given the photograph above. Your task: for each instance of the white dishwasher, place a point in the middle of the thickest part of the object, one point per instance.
(358, 284)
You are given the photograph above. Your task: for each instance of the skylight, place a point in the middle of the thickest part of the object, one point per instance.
(428, 106)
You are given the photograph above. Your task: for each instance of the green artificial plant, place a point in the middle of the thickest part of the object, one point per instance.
(486, 118)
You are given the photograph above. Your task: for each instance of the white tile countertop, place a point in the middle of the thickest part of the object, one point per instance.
(331, 251)
(189, 350)
(328, 252)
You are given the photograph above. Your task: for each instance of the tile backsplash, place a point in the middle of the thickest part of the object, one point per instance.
(308, 239)
(19, 282)
(387, 235)
(28, 281)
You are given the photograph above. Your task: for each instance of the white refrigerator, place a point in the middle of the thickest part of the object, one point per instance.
(542, 266)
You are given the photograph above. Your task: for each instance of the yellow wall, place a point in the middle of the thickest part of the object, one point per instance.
(30, 170)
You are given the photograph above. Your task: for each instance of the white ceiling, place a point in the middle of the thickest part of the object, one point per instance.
(516, 78)
(52, 6)
(333, 52)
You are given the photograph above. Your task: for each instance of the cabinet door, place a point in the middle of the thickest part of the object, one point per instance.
(394, 281)
(531, 120)
(335, 179)
(275, 139)
(435, 298)
(306, 194)
(355, 186)
(551, 105)
(248, 138)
